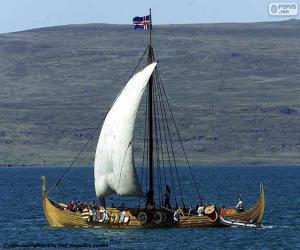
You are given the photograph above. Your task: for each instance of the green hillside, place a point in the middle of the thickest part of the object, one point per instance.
(234, 89)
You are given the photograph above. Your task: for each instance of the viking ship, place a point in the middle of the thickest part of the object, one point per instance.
(115, 173)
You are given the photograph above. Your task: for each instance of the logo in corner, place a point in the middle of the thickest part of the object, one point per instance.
(283, 9)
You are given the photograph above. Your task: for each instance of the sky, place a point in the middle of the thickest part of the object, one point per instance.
(16, 15)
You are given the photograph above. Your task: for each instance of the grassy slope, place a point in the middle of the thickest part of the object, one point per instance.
(234, 88)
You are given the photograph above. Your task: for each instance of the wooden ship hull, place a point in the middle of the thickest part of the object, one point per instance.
(59, 216)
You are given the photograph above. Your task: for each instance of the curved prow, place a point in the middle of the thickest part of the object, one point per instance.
(43, 179)
(253, 215)
(262, 203)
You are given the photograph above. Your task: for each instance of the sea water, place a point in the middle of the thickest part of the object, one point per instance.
(24, 226)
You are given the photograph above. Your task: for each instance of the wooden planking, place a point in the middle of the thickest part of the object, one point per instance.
(253, 215)
(63, 218)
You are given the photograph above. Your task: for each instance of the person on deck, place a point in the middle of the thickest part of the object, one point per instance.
(239, 206)
(200, 209)
(190, 211)
(81, 206)
(167, 195)
(70, 205)
(223, 210)
(150, 202)
(76, 206)
(92, 212)
(94, 205)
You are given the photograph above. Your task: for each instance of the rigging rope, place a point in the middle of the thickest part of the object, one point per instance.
(95, 131)
(167, 147)
(172, 149)
(160, 135)
(179, 137)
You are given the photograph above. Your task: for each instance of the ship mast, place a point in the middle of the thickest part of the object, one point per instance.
(150, 194)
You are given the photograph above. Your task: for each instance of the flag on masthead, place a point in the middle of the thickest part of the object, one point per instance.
(143, 23)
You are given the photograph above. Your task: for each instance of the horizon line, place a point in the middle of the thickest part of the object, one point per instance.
(159, 24)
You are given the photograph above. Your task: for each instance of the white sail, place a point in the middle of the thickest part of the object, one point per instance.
(114, 169)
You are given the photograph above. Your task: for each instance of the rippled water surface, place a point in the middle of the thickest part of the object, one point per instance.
(23, 222)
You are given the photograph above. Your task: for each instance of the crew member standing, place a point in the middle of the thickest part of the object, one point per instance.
(239, 206)
(167, 195)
